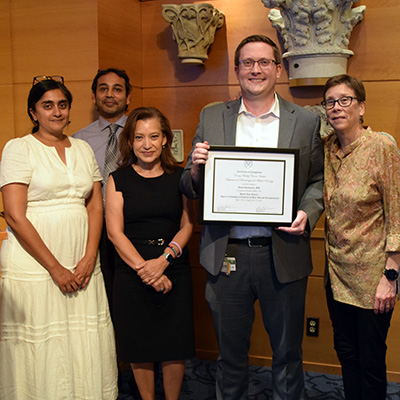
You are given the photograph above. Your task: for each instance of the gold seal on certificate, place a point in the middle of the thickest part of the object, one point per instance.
(248, 185)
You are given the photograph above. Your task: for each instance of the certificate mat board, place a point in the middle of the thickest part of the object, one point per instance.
(249, 186)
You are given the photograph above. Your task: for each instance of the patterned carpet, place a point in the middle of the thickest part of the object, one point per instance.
(199, 384)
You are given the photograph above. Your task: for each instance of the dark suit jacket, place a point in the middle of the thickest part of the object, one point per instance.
(298, 129)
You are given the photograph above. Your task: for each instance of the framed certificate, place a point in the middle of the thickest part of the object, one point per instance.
(249, 186)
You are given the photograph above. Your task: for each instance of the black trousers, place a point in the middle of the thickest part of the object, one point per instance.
(360, 343)
(231, 300)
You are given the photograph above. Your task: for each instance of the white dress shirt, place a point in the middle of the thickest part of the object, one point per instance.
(252, 131)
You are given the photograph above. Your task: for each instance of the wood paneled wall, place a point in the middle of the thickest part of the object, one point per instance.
(120, 41)
(73, 39)
(76, 38)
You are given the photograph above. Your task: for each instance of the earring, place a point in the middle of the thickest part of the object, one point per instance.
(163, 146)
(131, 148)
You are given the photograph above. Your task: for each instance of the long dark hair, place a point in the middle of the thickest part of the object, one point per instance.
(37, 92)
(127, 156)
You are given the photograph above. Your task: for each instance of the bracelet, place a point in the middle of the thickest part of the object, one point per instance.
(179, 248)
(173, 249)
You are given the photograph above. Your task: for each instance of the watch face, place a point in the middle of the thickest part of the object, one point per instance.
(391, 274)
(169, 258)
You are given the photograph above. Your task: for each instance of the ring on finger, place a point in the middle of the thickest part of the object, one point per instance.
(162, 289)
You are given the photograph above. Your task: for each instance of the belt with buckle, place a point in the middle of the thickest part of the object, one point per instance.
(252, 241)
(149, 242)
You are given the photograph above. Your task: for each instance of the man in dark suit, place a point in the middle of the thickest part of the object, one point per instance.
(270, 264)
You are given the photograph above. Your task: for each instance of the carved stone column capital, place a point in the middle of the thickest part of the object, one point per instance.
(193, 28)
(316, 35)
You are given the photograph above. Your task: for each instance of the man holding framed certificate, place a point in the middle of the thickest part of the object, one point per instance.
(257, 260)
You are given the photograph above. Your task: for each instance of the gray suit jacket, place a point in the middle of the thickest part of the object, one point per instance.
(298, 129)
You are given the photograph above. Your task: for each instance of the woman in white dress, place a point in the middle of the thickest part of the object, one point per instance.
(56, 336)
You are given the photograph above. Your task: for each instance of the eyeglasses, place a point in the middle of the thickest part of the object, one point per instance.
(344, 101)
(40, 78)
(263, 63)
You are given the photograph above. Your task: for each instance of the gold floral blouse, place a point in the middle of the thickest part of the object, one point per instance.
(362, 203)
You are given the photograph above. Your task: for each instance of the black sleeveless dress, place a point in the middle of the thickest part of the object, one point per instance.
(151, 326)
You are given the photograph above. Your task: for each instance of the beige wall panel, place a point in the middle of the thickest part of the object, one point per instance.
(120, 37)
(318, 257)
(136, 98)
(318, 248)
(6, 126)
(5, 44)
(6, 88)
(54, 38)
(161, 66)
(22, 123)
(303, 96)
(383, 107)
(375, 40)
(393, 347)
(7, 114)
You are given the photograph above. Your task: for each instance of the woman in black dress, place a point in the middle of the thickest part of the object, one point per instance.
(150, 222)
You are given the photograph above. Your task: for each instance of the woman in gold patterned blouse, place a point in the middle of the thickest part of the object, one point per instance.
(362, 201)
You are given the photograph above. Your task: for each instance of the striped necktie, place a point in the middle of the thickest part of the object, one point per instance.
(110, 161)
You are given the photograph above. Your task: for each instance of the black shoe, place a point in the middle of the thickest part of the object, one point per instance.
(134, 389)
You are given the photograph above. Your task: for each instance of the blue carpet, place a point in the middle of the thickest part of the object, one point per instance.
(199, 384)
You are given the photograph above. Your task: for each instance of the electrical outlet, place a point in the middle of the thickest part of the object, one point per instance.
(312, 328)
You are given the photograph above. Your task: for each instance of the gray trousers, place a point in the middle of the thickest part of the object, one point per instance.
(231, 300)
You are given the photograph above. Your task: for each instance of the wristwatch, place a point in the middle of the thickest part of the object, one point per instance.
(169, 257)
(391, 274)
